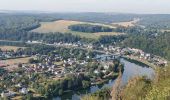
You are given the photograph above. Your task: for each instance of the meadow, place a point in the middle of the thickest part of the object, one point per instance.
(62, 26)
(128, 23)
(8, 48)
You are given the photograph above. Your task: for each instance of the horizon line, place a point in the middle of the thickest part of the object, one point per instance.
(53, 12)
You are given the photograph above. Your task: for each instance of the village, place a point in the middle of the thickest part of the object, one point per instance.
(56, 67)
(156, 60)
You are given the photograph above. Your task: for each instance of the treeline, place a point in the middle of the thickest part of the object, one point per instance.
(157, 21)
(157, 43)
(8, 43)
(151, 40)
(17, 22)
(49, 38)
(55, 88)
(90, 28)
(102, 94)
(111, 39)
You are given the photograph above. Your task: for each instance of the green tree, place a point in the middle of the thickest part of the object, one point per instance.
(85, 84)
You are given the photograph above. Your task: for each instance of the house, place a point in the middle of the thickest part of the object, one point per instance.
(56, 73)
(90, 46)
(83, 62)
(87, 57)
(106, 66)
(104, 71)
(64, 71)
(19, 85)
(96, 72)
(147, 56)
(142, 55)
(7, 94)
(102, 46)
(24, 91)
(71, 61)
(105, 48)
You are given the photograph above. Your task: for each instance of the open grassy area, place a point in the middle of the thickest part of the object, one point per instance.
(59, 63)
(4, 48)
(127, 24)
(62, 26)
(165, 30)
(17, 60)
(13, 63)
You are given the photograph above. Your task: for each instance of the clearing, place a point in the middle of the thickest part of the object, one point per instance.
(8, 48)
(127, 24)
(13, 63)
(62, 26)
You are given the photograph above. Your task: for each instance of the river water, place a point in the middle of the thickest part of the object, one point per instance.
(131, 69)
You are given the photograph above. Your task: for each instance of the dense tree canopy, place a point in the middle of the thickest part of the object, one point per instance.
(90, 28)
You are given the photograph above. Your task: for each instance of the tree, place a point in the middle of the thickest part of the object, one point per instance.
(28, 97)
(85, 84)
(19, 65)
(60, 92)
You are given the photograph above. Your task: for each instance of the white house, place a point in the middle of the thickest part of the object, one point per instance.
(96, 72)
(7, 94)
(24, 91)
(106, 66)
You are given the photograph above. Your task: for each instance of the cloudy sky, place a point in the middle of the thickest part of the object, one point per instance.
(122, 6)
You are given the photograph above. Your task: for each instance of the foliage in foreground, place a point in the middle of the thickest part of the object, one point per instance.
(142, 88)
(103, 94)
(161, 88)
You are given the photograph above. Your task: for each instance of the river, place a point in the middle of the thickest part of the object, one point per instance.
(131, 69)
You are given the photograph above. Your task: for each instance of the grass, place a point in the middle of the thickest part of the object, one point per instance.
(103, 94)
(167, 30)
(136, 89)
(58, 63)
(16, 61)
(62, 26)
(13, 63)
(161, 88)
(127, 24)
(8, 48)
(17, 98)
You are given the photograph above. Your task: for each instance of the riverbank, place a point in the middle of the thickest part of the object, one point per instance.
(140, 60)
(131, 69)
(142, 88)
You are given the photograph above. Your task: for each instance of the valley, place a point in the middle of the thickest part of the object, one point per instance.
(78, 56)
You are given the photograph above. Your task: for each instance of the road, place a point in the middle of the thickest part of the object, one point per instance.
(99, 51)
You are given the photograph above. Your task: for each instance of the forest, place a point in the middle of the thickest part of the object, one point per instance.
(89, 28)
(157, 43)
(15, 27)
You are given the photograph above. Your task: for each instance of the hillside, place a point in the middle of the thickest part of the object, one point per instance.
(142, 88)
(127, 24)
(62, 26)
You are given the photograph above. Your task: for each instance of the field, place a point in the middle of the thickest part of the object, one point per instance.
(165, 30)
(62, 26)
(12, 63)
(127, 24)
(4, 48)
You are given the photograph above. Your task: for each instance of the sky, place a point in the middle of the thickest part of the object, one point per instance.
(119, 6)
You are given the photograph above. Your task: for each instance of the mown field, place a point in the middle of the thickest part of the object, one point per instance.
(8, 48)
(62, 26)
(13, 63)
(127, 24)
